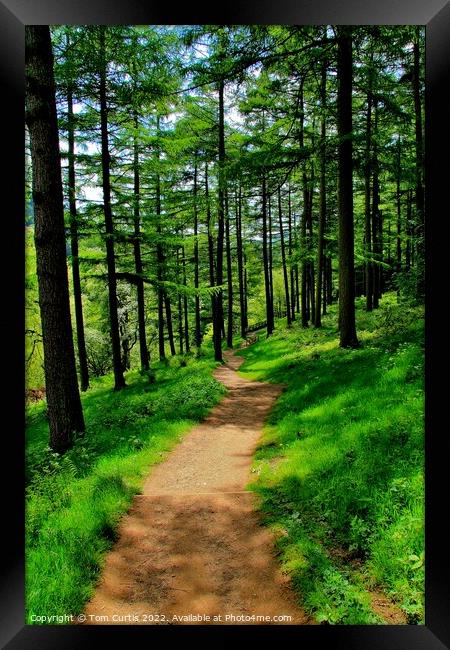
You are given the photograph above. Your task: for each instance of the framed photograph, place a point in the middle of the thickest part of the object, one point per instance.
(226, 175)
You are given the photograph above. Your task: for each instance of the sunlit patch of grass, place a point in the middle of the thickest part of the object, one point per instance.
(348, 430)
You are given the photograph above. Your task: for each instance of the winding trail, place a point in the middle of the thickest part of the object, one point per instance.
(192, 543)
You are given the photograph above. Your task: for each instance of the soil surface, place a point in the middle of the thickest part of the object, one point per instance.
(192, 548)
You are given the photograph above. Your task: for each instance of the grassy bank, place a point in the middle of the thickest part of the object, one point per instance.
(74, 502)
(340, 467)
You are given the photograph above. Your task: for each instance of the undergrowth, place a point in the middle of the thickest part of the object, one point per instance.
(340, 469)
(74, 502)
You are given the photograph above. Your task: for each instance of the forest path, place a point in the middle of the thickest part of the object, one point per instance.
(193, 543)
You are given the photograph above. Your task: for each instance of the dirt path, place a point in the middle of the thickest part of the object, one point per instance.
(192, 545)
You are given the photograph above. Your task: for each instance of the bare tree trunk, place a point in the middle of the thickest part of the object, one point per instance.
(398, 267)
(169, 323)
(198, 334)
(63, 398)
(242, 303)
(408, 231)
(210, 251)
(81, 343)
(347, 325)
(304, 220)
(291, 268)
(119, 381)
(376, 244)
(137, 251)
(180, 311)
(185, 303)
(283, 260)
(329, 281)
(304, 301)
(160, 265)
(325, 286)
(269, 226)
(245, 287)
(218, 315)
(269, 297)
(367, 194)
(323, 199)
(160, 262)
(229, 277)
(311, 270)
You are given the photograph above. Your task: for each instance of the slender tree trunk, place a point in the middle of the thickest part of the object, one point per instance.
(269, 225)
(119, 381)
(229, 277)
(245, 288)
(323, 199)
(180, 311)
(198, 334)
(311, 270)
(218, 320)
(304, 302)
(408, 231)
(160, 265)
(210, 233)
(137, 251)
(243, 314)
(389, 253)
(81, 343)
(367, 197)
(308, 291)
(283, 260)
(291, 268)
(312, 302)
(347, 325)
(210, 253)
(398, 267)
(329, 281)
(376, 221)
(125, 359)
(63, 398)
(160, 262)
(185, 303)
(180, 324)
(269, 297)
(169, 323)
(304, 220)
(381, 281)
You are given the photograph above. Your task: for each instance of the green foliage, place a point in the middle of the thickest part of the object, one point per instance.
(74, 502)
(340, 467)
(409, 284)
(34, 355)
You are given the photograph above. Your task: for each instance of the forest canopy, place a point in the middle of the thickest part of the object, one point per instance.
(215, 151)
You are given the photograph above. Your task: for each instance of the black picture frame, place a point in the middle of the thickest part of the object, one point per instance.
(14, 15)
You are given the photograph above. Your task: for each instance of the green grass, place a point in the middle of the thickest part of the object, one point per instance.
(75, 501)
(340, 469)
